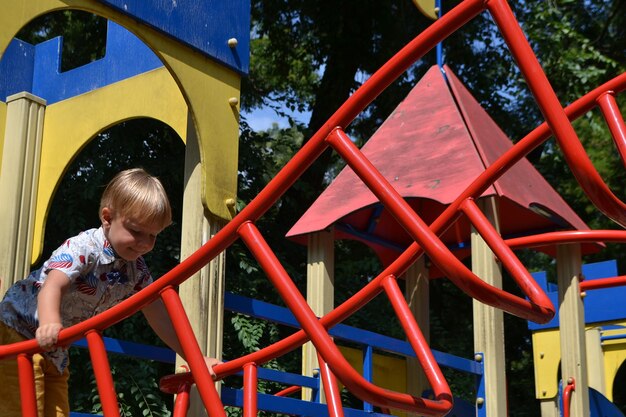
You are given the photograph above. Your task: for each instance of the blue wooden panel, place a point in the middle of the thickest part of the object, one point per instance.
(600, 406)
(205, 25)
(126, 56)
(16, 68)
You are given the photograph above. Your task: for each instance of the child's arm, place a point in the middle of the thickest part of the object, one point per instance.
(49, 308)
(160, 321)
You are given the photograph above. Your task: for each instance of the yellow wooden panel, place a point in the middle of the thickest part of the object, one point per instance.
(427, 7)
(71, 123)
(547, 358)
(208, 88)
(389, 372)
(614, 357)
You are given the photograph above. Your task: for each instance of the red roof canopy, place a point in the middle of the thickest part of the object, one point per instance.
(434, 144)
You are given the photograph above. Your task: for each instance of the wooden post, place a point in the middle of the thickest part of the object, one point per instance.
(320, 292)
(203, 294)
(489, 321)
(595, 355)
(18, 185)
(572, 327)
(417, 296)
(549, 408)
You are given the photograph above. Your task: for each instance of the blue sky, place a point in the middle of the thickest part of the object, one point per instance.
(263, 118)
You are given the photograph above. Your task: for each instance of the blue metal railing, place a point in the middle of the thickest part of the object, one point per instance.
(369, 341)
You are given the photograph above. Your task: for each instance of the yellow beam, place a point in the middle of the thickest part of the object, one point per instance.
(72, 123)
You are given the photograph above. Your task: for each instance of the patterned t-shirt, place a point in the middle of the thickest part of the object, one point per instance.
(98, 281)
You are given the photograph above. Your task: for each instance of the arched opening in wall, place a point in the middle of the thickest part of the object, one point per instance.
(157, 148)
(84, 35)
(619, 388)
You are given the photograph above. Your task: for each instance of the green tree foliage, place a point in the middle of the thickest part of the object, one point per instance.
(84, 35)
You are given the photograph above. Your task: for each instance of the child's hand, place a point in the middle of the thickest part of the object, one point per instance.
(47, 335)
(210, 363)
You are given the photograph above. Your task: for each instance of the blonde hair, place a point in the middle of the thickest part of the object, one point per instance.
(135, 194)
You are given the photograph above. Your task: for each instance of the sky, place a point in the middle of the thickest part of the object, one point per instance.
(262, 119)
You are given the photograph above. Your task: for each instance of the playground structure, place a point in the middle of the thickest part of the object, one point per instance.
(218, 194)
(604, 335)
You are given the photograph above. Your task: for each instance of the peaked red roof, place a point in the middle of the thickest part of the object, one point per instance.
(434, 144)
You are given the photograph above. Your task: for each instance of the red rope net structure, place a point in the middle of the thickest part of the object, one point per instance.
(534, 306)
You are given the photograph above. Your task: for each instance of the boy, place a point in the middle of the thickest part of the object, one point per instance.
(88, 274)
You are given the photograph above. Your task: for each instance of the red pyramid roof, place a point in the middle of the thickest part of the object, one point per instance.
(434, 144)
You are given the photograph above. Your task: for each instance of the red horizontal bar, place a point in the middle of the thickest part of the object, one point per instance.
(599, 283)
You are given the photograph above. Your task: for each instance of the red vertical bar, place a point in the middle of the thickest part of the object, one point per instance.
(250, 381)
(102, 372)
(331, 389)
(181, 405)
(26, 377)
(193, 354)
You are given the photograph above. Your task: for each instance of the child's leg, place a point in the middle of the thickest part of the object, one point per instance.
(51, 388)
(9, 387)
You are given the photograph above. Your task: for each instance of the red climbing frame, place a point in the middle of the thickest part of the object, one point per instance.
(536, 306)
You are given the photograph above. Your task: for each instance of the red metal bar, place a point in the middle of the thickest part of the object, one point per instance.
(181, 405)
(288, 391)
(331, 389)
(614, 120)
(326, 347)
(538, 309)
(567, 396)
(250, 387)
(577, 159)
(572, 236)
(26, 377)
(193, 354)
(102, 372)
(598, 283)
(511, 263)
(414, 333)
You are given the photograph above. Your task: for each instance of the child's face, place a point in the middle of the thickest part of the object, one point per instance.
(129, 237)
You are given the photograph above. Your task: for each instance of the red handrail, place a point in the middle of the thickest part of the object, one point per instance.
(288, 391)
(599, 283)
(567, 396)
